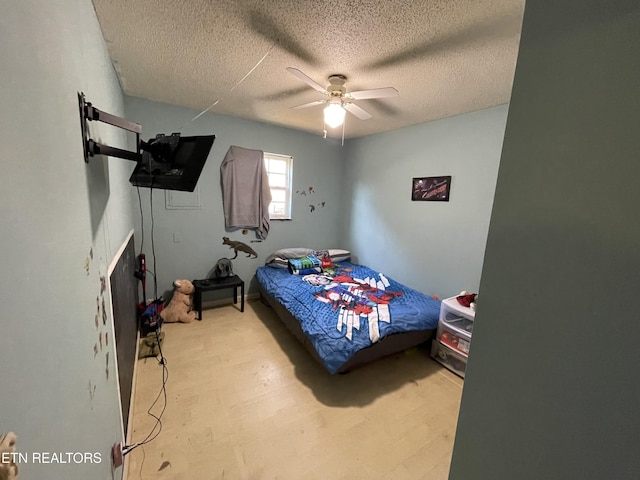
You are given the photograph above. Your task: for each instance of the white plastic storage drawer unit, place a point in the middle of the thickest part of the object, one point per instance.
(453, 360)
(453, 338)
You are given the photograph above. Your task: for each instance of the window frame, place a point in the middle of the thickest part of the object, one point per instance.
(288, 184)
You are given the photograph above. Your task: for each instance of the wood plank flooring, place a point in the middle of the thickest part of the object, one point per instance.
(245, 400)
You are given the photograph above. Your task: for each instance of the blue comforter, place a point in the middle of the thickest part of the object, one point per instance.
(348, 309)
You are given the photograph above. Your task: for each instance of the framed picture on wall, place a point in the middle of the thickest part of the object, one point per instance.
(431, 189)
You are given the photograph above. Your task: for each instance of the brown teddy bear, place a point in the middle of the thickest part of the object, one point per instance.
(181, 304)
(8, 469)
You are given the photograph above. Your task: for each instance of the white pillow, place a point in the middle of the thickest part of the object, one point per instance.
(338, 255)
(279, 258)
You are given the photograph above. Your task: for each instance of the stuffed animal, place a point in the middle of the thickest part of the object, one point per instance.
(223, 269)
(8, 469)
(150, 345)
(181, 304)
(467, 299)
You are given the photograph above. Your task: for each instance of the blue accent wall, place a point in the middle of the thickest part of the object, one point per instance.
(317, 163)
(63, 222)
(434, 247)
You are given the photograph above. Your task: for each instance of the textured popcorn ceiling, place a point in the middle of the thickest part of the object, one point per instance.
(445, 57)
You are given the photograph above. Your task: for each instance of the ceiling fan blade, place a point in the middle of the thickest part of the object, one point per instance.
(312, 83)
(357, 111)
(265, 26)
(505, 26)
(310, 104)
(373, 93)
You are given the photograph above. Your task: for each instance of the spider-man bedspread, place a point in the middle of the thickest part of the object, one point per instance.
(349, 308)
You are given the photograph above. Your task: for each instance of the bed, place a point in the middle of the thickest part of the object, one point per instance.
(346, 315)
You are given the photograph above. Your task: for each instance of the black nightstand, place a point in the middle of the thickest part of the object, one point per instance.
(210, 284)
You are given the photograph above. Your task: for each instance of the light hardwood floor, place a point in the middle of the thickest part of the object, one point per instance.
(245, 400)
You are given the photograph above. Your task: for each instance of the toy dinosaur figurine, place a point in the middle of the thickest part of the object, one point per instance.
(243, 247)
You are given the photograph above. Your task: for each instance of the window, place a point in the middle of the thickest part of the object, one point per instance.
(279, 170)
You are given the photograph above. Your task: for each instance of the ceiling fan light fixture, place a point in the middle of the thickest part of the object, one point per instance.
(334, 113)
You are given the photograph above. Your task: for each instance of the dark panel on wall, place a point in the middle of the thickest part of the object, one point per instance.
(124, 294)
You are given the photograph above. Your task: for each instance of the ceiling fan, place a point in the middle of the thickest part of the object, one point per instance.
(338, 99)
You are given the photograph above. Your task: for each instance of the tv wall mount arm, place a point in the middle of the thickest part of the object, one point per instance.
(90, 113)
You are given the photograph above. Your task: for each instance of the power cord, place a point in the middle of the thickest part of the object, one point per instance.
(141, 221)
(153, 247)
(157, 428)
(163, 392)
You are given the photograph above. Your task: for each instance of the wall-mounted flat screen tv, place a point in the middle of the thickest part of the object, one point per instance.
(172, 162)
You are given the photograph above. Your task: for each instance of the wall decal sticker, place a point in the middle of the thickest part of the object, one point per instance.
(92, 393)
(310, 191)
(104, 312)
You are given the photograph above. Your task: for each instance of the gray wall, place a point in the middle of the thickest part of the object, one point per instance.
(552, 389)
(62, 223)
(434, 247)
(317, 163)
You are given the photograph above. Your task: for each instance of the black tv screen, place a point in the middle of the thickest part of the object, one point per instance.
(172, 162)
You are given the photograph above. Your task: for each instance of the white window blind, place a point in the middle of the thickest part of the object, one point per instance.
(279, 168)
